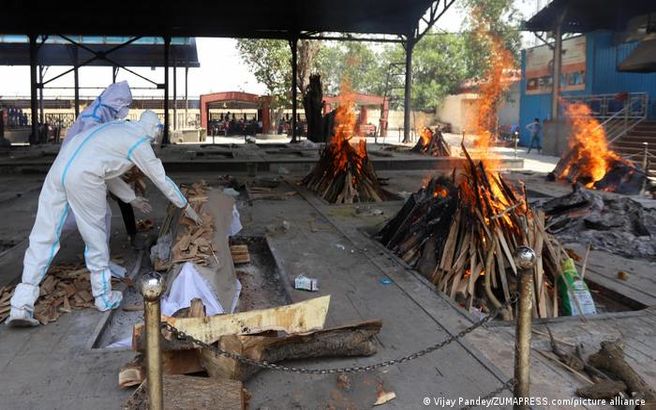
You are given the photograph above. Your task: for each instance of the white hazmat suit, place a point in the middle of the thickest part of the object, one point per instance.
(112, 104)
(77, 183)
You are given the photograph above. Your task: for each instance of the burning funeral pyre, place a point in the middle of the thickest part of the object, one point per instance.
(461, 232)
(344, 173)
(590, 161)
(432, 143)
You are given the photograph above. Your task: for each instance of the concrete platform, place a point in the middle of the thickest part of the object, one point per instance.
(53, 367)
(248, 158)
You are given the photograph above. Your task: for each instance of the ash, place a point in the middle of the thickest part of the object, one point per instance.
(619, 225)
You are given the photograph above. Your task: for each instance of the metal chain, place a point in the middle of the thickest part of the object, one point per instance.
(180, 335)
(507, 385)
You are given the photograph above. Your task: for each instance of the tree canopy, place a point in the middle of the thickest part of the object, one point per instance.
(441, 61)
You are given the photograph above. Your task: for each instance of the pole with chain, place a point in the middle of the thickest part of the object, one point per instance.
(151, 289)
(525, 260)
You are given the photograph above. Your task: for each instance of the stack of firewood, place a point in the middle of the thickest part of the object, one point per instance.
(193, 243)
(65, 288)
(462, 232)
(432, 143)
(345, 175)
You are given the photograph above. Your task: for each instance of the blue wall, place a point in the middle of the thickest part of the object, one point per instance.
(601, 77)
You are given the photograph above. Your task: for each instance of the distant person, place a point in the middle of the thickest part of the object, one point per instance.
(535, 128)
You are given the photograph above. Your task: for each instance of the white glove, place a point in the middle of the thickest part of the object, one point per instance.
(142, 204)
(191, 214)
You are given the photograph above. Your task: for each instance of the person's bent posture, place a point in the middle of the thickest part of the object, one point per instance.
(77, 183)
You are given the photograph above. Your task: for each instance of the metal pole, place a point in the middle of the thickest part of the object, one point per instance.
(175, 94)
(645, 165)
(294, 45)
(525, 260)
(557, 65)
(186, 97)
(167, 43)
(41, 113)
(409, 45)
(76, 83)
(114, 74)
(516, 136)
(151, 290)
(33, 86)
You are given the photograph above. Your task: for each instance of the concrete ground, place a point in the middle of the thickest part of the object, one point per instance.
(54, 366)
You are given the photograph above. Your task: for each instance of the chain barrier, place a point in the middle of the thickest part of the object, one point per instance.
(182, 336)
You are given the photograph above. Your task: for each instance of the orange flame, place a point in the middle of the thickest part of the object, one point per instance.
(426, 135)
(588, 145)
(492, 87)
(345, 120)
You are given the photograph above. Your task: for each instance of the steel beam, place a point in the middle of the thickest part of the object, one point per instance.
(184, 124)
(407, 106)
(167, 44)
(33, 87)
(175, 94)
(76, 83)
(293, 42)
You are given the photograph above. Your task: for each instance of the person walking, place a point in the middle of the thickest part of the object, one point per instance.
(535, 128)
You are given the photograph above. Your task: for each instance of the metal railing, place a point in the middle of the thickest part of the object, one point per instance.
(618, 113)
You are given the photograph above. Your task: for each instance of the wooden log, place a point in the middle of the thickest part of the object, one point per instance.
(610, 357)
(133, 373)
(187, 392)
(300, 317)
(351, 340)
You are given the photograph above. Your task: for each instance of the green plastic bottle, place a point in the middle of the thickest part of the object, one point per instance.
(574, 294)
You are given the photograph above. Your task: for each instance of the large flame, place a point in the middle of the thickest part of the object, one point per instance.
(588, 145)
(345, 122)
(493, 84)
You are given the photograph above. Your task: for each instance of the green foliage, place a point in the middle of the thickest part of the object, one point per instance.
(270, 63)
(361, 64)
(439, 67)
(498, 17)
(441, 61)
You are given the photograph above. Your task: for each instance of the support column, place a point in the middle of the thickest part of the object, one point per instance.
(557, 65)
(175, 94)
(41, 113)
(294, 45)
(33, 87)
(409, 46)
(167, 44)
(186, 116)
(76, 82)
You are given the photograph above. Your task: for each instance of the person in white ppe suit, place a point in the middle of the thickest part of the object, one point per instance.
(112, 104)
(77, 184)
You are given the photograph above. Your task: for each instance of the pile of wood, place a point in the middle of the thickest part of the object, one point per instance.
(462, 231)
(606, 373)
(289, 332)
(345, 175)
(240, 254)
(620, 175)
(193, 243)
(615, 224)
(65, 288)
(432, 143)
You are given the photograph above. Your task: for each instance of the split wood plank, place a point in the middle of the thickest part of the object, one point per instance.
(300, 317)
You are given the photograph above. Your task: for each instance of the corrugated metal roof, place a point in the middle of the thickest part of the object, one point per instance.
(198, 18)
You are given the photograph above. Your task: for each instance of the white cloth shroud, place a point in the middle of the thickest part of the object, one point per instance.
(189, 284)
